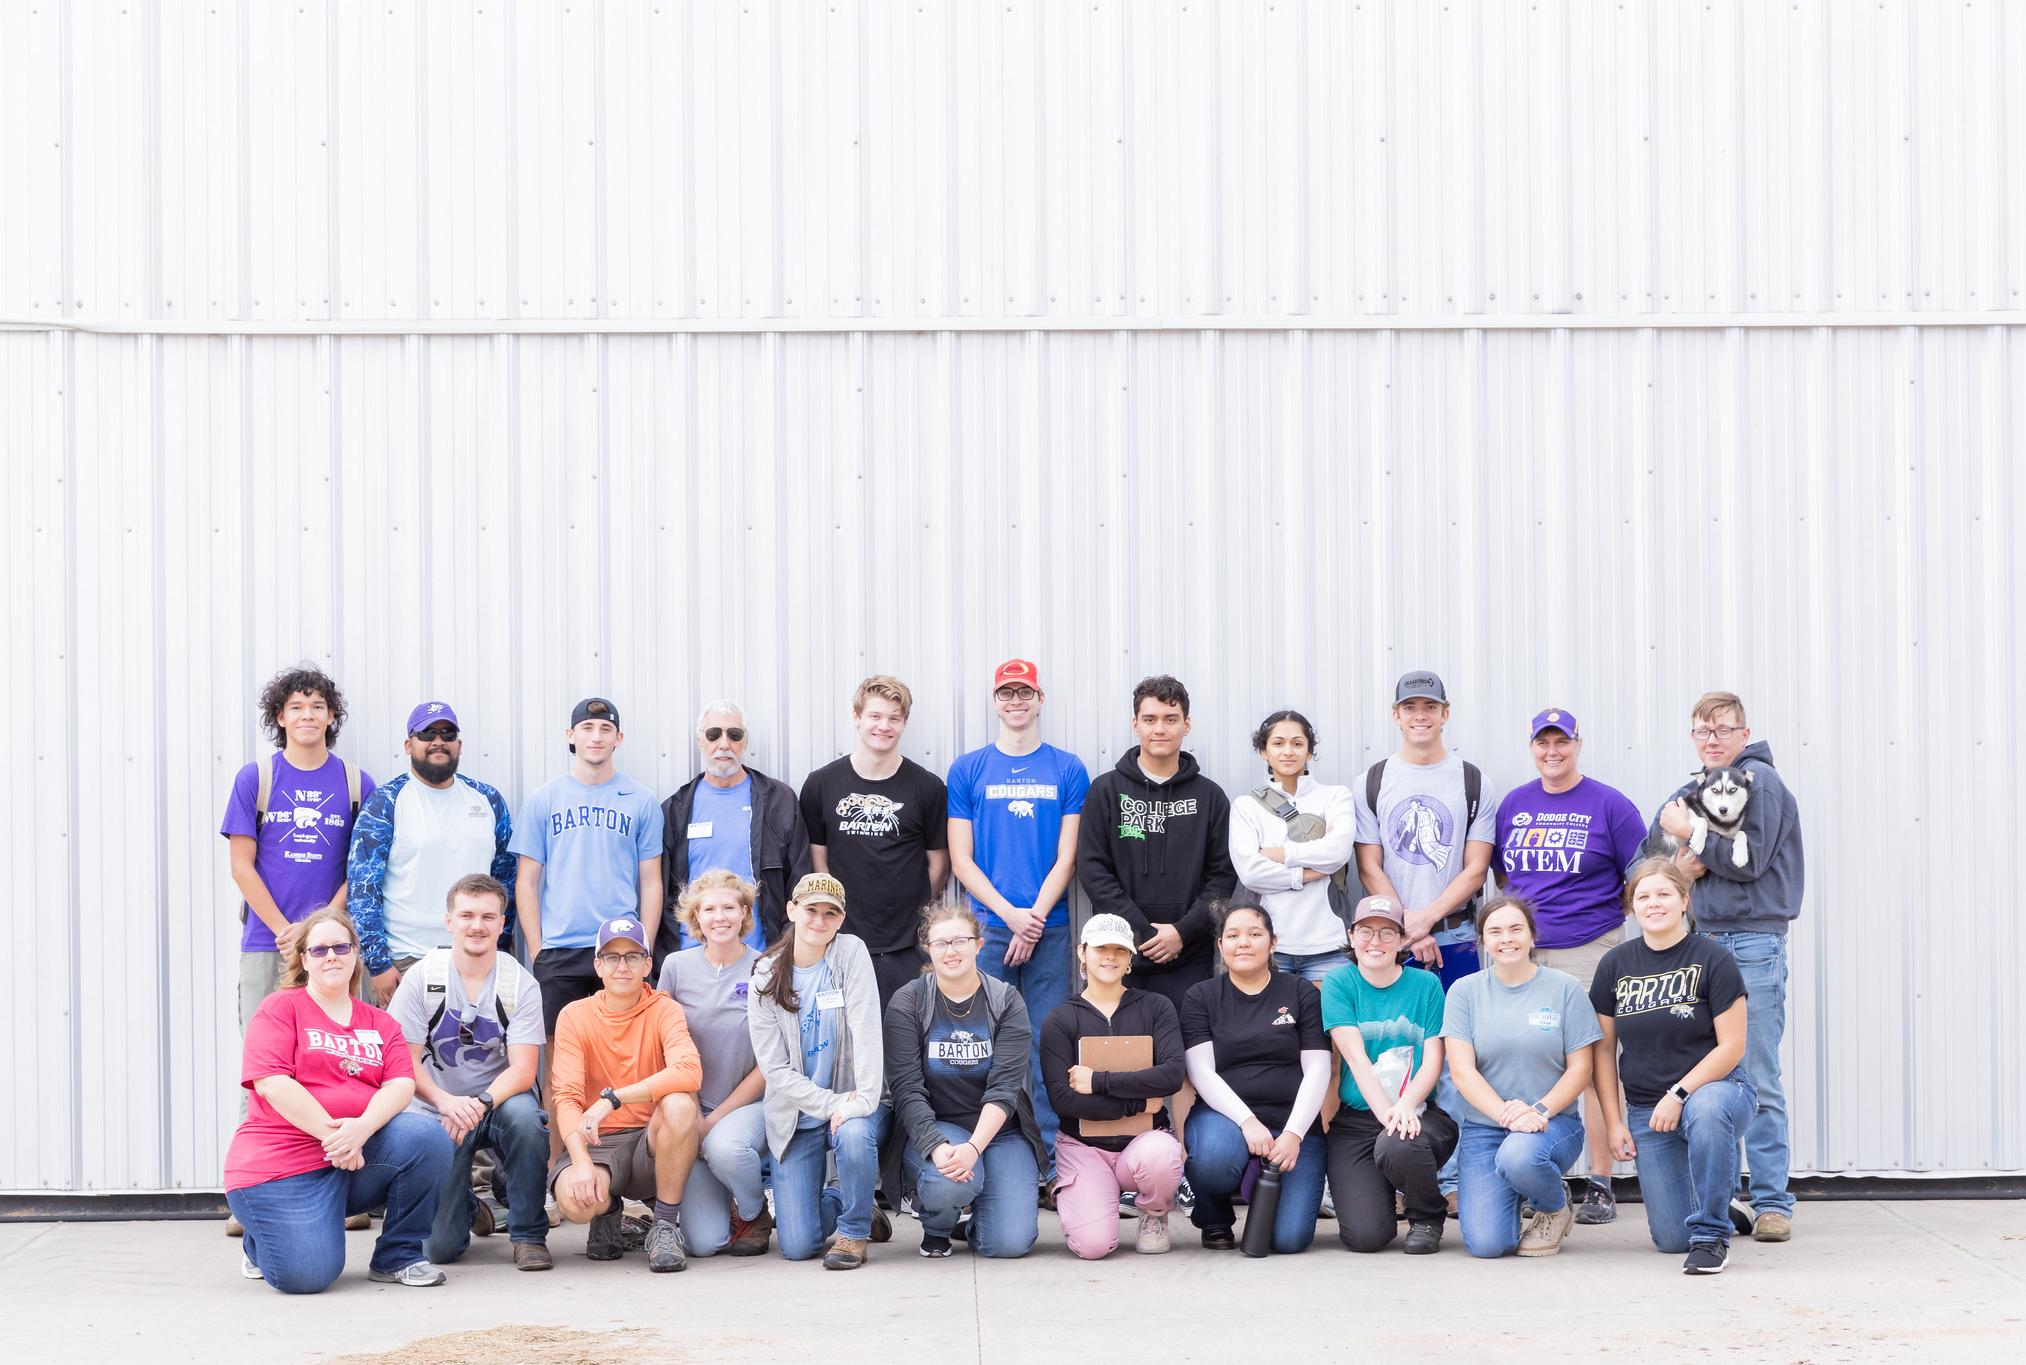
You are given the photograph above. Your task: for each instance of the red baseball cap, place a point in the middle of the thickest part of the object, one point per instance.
(1016, 671)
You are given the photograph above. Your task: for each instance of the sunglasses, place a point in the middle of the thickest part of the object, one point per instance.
(446, 733)
(737, 732)
(329, 950)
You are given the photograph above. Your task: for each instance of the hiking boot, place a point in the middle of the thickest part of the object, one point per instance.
(1543, 1236)
(1706, 1258)
(633, 1231)
(247, 1269)
(1599, 1204)
(882, 1226)
(749, 1235)
(606, 1240)
(934, 1248)
(532, 1256)
(1219, 1239)
(846, 1253)
(359, 1222)
(1151, 1237)
(1772, 1226)
(1423, 1239)
(1449, 1199)
(487, 1216)
(664, 1246)
(233, 1227)
(416, 1275)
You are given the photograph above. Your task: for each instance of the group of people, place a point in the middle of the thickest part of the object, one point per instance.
(1235, 1023)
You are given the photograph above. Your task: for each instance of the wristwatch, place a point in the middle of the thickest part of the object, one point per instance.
(611, 1097)
(1541, 1108)
(485, 1098)
(1680, 1092)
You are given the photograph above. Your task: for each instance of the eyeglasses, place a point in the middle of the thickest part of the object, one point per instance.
(943, 945)
(628, 959)
(737, 732)
(446, 733)
(1016, 694)
(1704, 734)
(1376, 935)
(329, 950)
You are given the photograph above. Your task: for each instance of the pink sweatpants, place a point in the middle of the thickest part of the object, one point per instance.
(1090, 1180)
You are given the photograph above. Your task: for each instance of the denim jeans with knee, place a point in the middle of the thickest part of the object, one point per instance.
(1311, 967)
(1497, 1168)
(1762, 961)
(999, 1194)
(1686, 1176)
(729, 1176)
(806, 1210)
(1043, 983)
(295, 1226)
(518, 1131)
(1216, 1165)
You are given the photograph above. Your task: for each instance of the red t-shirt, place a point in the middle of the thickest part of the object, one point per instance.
(290, 1035)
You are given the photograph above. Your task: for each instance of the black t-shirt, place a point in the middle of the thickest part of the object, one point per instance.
(957, 1057)
(1665, 1005)
(878, 836)
(1258, 1039)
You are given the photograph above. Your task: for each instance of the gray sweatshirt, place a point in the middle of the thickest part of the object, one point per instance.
(777, 1044)
(1764, 895)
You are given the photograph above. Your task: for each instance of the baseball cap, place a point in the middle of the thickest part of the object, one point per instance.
(625, 927)
(1016, 671)
(1380, 907)
(820, 886)
(593, 708)
(1420, 683)
(1108, 930)
(1554, 718)
(431, 713)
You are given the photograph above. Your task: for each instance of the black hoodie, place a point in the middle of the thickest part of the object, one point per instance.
(1157, 853)
(1114, 1094)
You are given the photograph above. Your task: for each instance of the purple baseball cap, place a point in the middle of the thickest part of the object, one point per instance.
(1554, 718)
(625, 927)
(431, 713)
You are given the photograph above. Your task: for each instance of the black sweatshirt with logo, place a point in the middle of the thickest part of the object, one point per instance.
(1114, 1094)
(1157, 853)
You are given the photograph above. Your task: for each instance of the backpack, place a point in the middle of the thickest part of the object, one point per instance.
(263, 788)
(435, 969)
(1473, 793)
(1302, 827)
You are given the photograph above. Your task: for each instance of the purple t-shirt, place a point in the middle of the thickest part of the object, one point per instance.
(299, 850)
(1566, 855)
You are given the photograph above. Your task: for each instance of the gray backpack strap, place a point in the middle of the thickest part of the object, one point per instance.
(263, 791)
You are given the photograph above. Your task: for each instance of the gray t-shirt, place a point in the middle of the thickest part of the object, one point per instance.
(1420, 825)
(470, 1046)
(713, 1000)
(1522, 1034)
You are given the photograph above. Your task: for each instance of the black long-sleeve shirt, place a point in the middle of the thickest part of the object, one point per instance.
(1114, 1094)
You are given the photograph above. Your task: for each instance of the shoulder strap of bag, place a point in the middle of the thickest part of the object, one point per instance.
(1275, 800)
(1473, 791)
(1374, 776)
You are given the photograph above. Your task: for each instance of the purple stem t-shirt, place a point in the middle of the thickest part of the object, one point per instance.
(299, 850)
(1566, 855)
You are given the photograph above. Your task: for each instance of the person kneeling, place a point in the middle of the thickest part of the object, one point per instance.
(958, 1050)
(324, 1135)
(627, 1047)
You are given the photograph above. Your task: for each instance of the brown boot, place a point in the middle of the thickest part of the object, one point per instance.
(846, 1253)
(749, 1236)
(532, 1256)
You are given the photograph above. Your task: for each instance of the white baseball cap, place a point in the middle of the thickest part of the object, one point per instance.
(1102, 930)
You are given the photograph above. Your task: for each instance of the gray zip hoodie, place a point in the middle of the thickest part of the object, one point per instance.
(1764, 895)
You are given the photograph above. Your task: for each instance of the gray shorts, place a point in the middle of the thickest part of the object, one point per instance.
(258, 973)
(628, 1158)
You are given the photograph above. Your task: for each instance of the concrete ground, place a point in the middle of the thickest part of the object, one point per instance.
(1860, 1281)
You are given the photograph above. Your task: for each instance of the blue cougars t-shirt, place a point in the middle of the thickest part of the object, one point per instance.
(1016, 807)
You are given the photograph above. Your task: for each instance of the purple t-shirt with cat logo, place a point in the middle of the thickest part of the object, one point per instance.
(299, 850)
(1566, 855)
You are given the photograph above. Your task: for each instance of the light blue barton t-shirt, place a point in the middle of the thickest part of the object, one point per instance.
(590, 842)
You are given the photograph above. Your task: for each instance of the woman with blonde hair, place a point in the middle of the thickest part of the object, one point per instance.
(325, 1133)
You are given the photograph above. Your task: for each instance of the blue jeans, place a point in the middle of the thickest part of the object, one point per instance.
(729, 1177)
(1216, 1164)
(1043, 983)
(295, 1226)
(1686, 1176)
(1497, 1168)
(518, 1131)
(1312, 966)
(999, 1194)
(1459, 960)
(1762, 959)
(806, 1211)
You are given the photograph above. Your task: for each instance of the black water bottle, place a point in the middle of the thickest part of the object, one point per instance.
(1260, 1212)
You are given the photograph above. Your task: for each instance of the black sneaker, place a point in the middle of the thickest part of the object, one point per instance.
(1598, 1206)
(1219, 1239)
(1129, 1203)
(606, 1240)
(1706, 1258)
(934, 1248)
(1742, 1215)
(1185, 1194)
(962, 1231)
(633, 1231)
(1423, 1239)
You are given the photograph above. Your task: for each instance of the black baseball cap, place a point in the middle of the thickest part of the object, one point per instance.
(594, 708)
(1421, 683)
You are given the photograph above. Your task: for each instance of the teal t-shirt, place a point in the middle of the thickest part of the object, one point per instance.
(1394, 1019)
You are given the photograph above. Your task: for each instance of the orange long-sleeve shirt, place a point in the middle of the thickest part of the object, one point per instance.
(597, 1046)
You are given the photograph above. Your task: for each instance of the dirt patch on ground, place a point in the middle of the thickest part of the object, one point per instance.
(533, 1345)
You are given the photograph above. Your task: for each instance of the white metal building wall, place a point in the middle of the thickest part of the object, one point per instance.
(1280, 345)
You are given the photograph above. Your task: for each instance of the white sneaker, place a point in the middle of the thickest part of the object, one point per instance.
(416, 1275)
(1151, 1239)
(554, 1213)
(247, 1269)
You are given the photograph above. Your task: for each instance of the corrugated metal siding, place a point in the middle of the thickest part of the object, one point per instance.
(1610, 520)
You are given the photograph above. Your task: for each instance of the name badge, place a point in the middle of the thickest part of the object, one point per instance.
(699, 829)
(830, 1000)
(369, 1036)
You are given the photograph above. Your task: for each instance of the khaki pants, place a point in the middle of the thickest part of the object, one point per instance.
(258, 973)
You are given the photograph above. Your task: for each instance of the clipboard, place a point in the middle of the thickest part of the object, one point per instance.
(1129, 1052)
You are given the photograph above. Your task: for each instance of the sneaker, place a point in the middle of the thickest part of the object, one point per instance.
(1045, 1199)
(1185, 1194)
(1129, 1203)
(1219, 1239)
(606, 1240)
(532, 1256)
(247, 1269)
(359, 1222)
(1544, 1235)
(553, 1212)
(907, 1206)
(934, 1248)
(1423, 1239)
(1706, 1258)
(416, 1275)
(1772, 1226)
(749, 1235)
(233, 1227)
(1599, 1204)
(1328, 1208)
(664, 1246)
(633, 1231)
(1741, 1217)
(882, 1226)
(962, 1231)
(1151, 1237)
(485, 1218)
(846, 1253)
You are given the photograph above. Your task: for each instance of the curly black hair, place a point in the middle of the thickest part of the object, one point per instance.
(1164, 689)
(1265, 730)
(304, 677)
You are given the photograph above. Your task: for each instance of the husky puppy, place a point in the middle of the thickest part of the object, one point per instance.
(1718, 801)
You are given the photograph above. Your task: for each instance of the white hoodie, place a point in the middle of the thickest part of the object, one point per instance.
(1302, 918)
